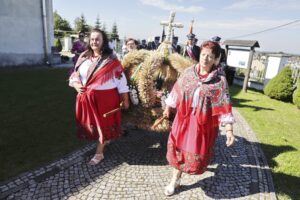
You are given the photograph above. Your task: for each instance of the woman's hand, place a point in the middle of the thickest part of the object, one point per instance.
(167, 112)
(79, 88)
(125, 100)
(230, 138)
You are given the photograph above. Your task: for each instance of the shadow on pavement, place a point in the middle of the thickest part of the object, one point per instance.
(238, 173)
(235, 172)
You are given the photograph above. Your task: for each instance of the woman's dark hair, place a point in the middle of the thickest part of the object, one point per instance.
(131, 39)
(105, 49)
(214, 46)
(81, 33)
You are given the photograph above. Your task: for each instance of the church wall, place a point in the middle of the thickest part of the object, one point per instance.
(22, 34)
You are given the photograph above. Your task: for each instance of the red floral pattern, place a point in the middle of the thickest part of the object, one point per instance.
(196, 125)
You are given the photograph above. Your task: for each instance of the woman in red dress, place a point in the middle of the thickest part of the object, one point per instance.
(102, 86)
(202, 101)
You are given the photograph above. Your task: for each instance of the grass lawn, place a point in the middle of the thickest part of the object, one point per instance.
(277, 126)
(37, 119)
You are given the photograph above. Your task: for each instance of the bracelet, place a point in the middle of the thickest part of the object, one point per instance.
(229, 130)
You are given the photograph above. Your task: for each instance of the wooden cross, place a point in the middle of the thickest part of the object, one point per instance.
(166, 47)
(170, 24)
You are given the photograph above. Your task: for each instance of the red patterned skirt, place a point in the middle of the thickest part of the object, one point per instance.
(90, 107)
(190, 144)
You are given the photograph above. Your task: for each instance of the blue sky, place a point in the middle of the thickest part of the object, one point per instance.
(226, 18)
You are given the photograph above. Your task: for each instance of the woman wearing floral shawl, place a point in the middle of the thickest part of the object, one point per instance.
(202, 101)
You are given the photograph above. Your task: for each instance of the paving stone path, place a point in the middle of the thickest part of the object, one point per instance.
(135, 167)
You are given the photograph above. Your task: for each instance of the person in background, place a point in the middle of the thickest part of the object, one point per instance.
(102, 87)
(78, 47)
(131, 44)
(222, 62)
(143, 44)
(192, 50)
(154, 44)
(195, 41)
(175, 47)
(201, 98)
(222, 58)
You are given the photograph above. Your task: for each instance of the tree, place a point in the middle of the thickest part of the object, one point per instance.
(81, 25)
(104, 28)
(98, 23)
(61, 26)
(281, 86)
(296, 95)
(114, 33)
(57, 44)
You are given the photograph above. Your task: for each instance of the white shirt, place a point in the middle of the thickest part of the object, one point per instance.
(120, 84)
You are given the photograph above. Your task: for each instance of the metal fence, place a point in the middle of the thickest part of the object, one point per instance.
(294, 63)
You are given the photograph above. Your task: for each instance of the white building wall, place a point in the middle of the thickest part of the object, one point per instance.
(273, 67)
(21, 32)
(283, 63)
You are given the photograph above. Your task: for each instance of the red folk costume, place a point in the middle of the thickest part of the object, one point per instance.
(201, 102)
(95, 101)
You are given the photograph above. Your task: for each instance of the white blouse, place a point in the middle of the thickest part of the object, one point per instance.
(223, 119)
(120, 84)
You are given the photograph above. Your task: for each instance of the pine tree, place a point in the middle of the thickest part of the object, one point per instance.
(104, 28)
(81, 25)
(114, 33)
(98, 23)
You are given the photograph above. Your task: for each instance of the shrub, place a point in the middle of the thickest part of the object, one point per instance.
(57, 44)
(296, 95)
(281, 86)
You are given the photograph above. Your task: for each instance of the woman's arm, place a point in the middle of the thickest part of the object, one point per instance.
(227, 120)
(74, 81)
(125, 100)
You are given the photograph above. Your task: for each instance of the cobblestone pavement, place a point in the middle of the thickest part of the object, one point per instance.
(135, 167)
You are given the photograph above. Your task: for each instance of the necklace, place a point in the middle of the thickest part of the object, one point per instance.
(94, 58)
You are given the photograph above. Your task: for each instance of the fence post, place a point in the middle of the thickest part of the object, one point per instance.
(245, 85)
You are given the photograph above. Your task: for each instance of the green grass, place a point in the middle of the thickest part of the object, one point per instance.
(37, 120)
(277, 126)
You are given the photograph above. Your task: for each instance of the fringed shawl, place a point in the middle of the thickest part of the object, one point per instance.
(100, 72)
(213, 97)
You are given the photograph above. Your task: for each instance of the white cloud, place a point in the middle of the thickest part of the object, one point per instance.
(246, 4)
(162, 4)
(270, 4)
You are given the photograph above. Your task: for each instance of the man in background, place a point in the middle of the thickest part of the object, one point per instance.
(192, 50)
(175, 47)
